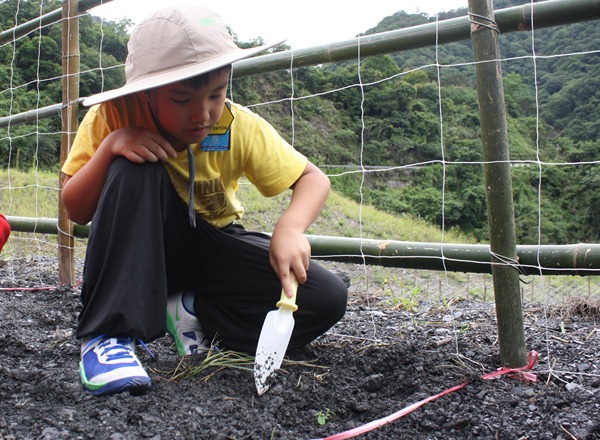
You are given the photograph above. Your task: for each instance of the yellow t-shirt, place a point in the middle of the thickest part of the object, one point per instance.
(256, 151)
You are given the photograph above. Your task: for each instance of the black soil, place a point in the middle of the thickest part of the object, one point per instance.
(374, 363)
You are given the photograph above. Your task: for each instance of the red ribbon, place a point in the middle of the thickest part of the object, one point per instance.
(521, 373)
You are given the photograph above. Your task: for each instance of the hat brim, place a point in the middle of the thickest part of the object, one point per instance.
(176, 75)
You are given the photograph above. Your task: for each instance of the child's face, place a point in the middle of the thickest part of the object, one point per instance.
(187, 114)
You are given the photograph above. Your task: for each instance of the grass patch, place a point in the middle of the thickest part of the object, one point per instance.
(35, 193)
(205, 366)
(214, 361)
(31, 193)
(344, 218)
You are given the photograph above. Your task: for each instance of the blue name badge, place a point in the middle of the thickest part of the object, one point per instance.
(219, 137)
(216, 142)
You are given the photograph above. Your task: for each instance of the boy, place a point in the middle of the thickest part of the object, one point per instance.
(4, 231)
(164, 249)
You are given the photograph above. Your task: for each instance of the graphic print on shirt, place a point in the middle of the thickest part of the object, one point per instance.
(211, 200)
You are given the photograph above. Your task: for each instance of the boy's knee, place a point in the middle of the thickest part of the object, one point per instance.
(123, 166)
(125, 172)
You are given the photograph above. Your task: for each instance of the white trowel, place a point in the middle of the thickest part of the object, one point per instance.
(274, 339)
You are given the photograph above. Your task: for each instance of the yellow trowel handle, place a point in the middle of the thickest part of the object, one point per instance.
(285, 301)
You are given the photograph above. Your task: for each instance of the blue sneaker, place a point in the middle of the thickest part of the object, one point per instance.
(184, 327)
(109, 365)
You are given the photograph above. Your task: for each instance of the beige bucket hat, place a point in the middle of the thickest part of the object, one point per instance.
(173, 44)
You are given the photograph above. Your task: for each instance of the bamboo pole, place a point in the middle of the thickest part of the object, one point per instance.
(70, 98)
(516, 18)
(44, 20)
(36, 114)
(582, 259)
(494, 133)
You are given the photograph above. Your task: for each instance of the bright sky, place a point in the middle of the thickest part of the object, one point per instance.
(303, 23)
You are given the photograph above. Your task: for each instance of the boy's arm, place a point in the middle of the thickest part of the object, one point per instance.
(81, 192)
(290, 250)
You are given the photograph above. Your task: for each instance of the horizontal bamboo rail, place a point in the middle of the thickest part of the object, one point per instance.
(35, 114)
(516, 18)
(573, 259)
(44, 20)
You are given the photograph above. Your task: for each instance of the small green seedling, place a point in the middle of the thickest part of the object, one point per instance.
(323, 416)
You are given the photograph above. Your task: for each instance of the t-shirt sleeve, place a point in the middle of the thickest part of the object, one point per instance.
(272, 164)
(92, 130)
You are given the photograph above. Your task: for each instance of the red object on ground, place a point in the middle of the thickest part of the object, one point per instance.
(4, 230)
(521, 373)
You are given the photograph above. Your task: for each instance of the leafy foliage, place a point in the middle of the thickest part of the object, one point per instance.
(30, 77)
(401, 112)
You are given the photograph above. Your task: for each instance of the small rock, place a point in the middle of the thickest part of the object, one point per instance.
(50, 433)
(583, 366)
(374, 382)
(517, 391)
(573, 387)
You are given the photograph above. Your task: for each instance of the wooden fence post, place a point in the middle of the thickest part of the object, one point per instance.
(70, 99)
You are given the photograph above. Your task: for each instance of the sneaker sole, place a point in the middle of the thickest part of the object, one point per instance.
(136, 385)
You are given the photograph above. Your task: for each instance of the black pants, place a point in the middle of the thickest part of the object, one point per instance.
(142, 249)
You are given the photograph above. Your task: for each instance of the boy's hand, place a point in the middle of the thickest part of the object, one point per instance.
(290, 252)
(139, 145)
